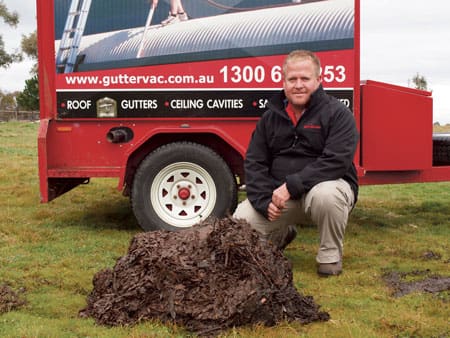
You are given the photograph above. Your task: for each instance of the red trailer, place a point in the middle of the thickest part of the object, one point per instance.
(169, 109)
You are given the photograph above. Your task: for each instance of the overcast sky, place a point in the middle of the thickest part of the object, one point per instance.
(399, 38)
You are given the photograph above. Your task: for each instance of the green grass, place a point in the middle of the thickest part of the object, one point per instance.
(53, 250)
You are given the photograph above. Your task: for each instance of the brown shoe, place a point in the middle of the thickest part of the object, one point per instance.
(329, 269)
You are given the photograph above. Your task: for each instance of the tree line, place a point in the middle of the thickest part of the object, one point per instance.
(28, 99)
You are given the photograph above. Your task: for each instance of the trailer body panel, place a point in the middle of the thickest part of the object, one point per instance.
(117, 86)
(397, 128)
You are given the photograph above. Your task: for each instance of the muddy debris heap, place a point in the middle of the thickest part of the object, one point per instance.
(9, 299)
(208, 278)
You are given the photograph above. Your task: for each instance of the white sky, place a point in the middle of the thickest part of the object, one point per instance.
(399, 38)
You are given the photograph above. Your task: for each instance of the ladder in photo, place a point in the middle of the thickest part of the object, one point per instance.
(72, 34)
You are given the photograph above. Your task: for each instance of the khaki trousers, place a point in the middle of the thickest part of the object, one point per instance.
(327, 205)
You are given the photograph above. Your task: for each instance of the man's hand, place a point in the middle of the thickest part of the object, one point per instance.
(273, 212)
(279, 198)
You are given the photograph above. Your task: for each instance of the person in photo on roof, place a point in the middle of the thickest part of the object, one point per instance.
(299, 164)
(176, 13)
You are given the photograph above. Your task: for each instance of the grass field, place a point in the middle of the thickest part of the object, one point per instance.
(50, 252)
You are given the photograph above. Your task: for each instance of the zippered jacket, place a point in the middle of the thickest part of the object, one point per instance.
(321, 147)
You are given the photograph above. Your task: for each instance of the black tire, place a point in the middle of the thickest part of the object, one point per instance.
(441, 149)
(181, 184)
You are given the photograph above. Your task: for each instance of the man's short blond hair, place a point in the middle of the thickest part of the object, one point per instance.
(301, 54)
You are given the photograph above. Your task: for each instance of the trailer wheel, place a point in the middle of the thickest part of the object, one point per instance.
(441, 149)
(181, 184)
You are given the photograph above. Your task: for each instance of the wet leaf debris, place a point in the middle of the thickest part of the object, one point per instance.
(9, 299)
(216, 275)
(426, 282)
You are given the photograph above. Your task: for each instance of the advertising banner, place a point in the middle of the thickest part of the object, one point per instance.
(218, 58)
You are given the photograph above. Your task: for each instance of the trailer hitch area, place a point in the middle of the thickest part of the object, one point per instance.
(119, 135)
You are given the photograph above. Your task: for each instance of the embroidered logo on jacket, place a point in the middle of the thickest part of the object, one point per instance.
(312, 126)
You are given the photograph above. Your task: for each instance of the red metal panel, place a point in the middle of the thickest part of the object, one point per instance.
(397, 128)
(42, 158)
(46, 49)
(356, 80)
(81, 148)
(434, 174)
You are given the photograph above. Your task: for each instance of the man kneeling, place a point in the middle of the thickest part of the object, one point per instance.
(299, 164)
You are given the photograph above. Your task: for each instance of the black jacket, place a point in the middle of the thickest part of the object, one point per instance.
(319, 148)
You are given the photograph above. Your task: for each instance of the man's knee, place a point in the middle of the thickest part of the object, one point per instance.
(329, 198)
(277, 232)
(247, 212)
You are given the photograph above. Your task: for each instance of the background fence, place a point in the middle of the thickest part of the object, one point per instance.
(8, 115)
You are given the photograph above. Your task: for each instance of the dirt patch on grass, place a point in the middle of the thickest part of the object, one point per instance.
(431, 255)
(10, 299)
(403, 283)
(208, 278)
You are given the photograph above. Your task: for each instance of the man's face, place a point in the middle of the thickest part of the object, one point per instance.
(300, 82)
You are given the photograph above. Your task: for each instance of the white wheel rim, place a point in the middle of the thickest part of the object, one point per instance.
(182, 194)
